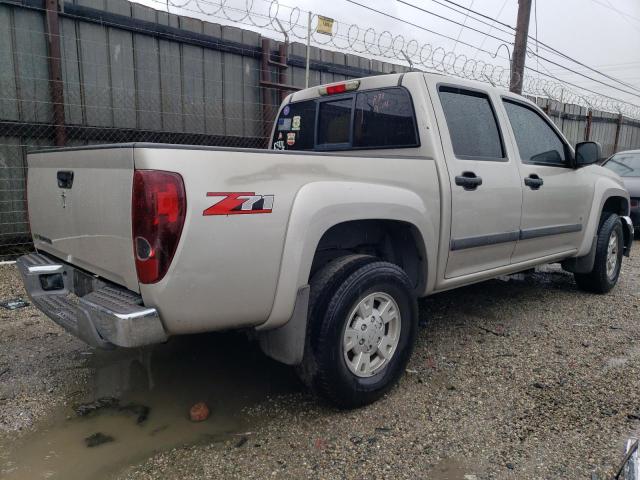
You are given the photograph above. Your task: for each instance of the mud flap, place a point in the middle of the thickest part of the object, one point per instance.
(286, 343)
(627, 226)
(582, 264)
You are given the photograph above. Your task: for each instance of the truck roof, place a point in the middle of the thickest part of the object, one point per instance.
(393, 79)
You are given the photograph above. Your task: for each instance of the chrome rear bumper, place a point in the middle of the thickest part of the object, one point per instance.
(100, 313)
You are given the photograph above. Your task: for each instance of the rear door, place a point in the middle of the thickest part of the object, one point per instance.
(556, 197)
(486, 192)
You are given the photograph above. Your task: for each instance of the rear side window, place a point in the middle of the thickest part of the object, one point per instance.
(537, 142)
(382, 118)
(472, 123)
(295, 127)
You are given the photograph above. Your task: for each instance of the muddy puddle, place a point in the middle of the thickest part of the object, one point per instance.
(146, 396)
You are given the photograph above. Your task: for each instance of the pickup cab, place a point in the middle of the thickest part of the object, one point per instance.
(374, 192)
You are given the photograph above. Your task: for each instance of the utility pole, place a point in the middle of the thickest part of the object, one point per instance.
(520, 46)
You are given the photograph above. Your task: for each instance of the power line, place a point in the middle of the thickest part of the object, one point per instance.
(538, 42)
(464, 22)
(388, 15)
(498, 38)
(450, 20)
(535, 14)
(479, 14)
(619, 12)
(483, 33)
(582, 88)
(491, 27)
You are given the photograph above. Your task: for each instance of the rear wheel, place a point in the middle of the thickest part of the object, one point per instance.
(362, 328)
(608, 259)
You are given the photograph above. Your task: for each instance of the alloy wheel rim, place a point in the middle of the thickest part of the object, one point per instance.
(612, 255)
(371, 334)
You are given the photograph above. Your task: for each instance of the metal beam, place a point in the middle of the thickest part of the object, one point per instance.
(55, 70)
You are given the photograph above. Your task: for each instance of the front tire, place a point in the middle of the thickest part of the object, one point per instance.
(608, 259)
(363, 319)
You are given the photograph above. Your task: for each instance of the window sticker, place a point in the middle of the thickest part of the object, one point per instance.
(286, 110)
(291, 139)
(284, 124)
(295, 124)
(279, 145)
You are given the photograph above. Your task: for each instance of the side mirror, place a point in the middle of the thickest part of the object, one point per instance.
(588, 153)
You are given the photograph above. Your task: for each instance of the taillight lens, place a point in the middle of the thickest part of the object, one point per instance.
(634, 202)
(158, 212)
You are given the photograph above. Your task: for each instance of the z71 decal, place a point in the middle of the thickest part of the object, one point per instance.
(238, 203)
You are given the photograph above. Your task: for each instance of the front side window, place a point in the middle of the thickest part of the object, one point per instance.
(473, 126)
(537, 142)
(371, 119)
(625, 164)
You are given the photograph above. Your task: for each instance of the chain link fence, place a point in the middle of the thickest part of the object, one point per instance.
(109, 71)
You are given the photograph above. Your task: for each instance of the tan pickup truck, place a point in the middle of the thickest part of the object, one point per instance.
(374, 192)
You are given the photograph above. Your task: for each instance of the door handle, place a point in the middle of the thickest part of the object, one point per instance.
(468, 181)
(534, 182)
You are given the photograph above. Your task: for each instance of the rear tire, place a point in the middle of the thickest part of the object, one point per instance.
(362, 327)
(608, 259)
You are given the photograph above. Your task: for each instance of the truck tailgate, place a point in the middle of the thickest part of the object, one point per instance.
(80, 209)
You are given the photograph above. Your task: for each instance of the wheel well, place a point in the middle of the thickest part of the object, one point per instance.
(618, 205)
(391, 240)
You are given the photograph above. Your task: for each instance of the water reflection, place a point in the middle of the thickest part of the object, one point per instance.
(225, 371)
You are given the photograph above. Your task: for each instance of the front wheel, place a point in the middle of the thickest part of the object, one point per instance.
(608, 259)
(362, 328)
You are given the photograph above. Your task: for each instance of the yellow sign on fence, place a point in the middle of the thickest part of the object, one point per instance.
(325, 25)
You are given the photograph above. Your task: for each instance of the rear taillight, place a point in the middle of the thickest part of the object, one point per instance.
(158, 212)
(634, 202)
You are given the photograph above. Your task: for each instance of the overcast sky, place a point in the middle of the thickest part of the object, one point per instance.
(604, 34)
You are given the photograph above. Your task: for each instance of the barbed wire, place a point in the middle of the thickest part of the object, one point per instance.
(398, 47)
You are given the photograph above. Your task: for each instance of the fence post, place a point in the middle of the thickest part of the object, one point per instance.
(265, 79)
(283, 77)
(587, 130)
(618, 128)
(55, 71)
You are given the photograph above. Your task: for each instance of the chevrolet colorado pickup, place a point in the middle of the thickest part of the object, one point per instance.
(374, 192)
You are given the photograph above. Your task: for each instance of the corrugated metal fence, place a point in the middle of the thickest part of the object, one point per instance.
(105, 71)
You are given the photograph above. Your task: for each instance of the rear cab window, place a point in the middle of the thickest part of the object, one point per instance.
(369, 119)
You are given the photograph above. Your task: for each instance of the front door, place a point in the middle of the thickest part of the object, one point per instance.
(556, 197)
(486, 194)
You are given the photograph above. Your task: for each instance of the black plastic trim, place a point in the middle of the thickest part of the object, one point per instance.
(483, 240)
(496, 238)
(546, 231)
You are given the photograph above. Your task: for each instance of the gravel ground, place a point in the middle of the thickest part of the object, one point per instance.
(41, 367)
(522, 377)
